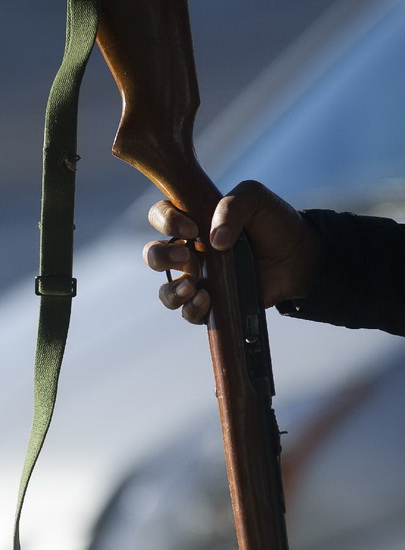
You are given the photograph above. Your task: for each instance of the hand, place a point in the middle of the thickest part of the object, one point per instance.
(285, 243)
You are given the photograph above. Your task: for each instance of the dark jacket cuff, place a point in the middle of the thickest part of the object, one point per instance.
(361, 283)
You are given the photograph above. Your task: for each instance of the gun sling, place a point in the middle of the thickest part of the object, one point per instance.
(55, 284)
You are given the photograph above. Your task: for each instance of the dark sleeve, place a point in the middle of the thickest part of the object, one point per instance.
(362, 277)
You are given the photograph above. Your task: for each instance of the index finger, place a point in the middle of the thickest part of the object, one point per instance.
(164, 217)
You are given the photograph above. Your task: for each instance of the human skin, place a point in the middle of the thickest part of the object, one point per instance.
(286, 246)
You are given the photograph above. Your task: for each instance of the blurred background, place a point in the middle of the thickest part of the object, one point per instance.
(305, 96)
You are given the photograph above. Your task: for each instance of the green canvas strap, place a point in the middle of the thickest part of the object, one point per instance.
(55, 284)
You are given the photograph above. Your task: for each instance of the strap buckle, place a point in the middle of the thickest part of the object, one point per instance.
(55, 286)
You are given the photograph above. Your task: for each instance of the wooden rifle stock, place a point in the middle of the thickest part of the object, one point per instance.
(147, 46)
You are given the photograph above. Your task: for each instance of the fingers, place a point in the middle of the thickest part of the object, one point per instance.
(234, 212)
(183, 292)
(160, 256)
(175, 294)
(164, 217)
(195, 311)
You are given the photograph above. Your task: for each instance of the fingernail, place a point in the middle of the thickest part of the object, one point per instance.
(198, 299)
(221, 237)
(188, 229)
(185, 288)
(179, 254)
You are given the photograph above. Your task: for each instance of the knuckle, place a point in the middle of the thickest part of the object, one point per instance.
(175, 294)
(195, 311)
(152, 214)
(254, 196)
(189, 315)
(222, 211)
(247, 192)
(145, 252)
(250, 185)
(160, 216)
(168, 297)
(153, 255)
(164, 217)
(254, 191)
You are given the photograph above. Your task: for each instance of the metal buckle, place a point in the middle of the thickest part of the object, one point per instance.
(55, 286)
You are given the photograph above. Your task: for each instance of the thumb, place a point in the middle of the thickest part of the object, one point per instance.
(234, 212)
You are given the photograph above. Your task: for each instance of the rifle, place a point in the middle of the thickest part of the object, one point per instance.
(147, 46)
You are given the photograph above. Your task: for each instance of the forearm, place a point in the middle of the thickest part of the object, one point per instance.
(361, 281)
